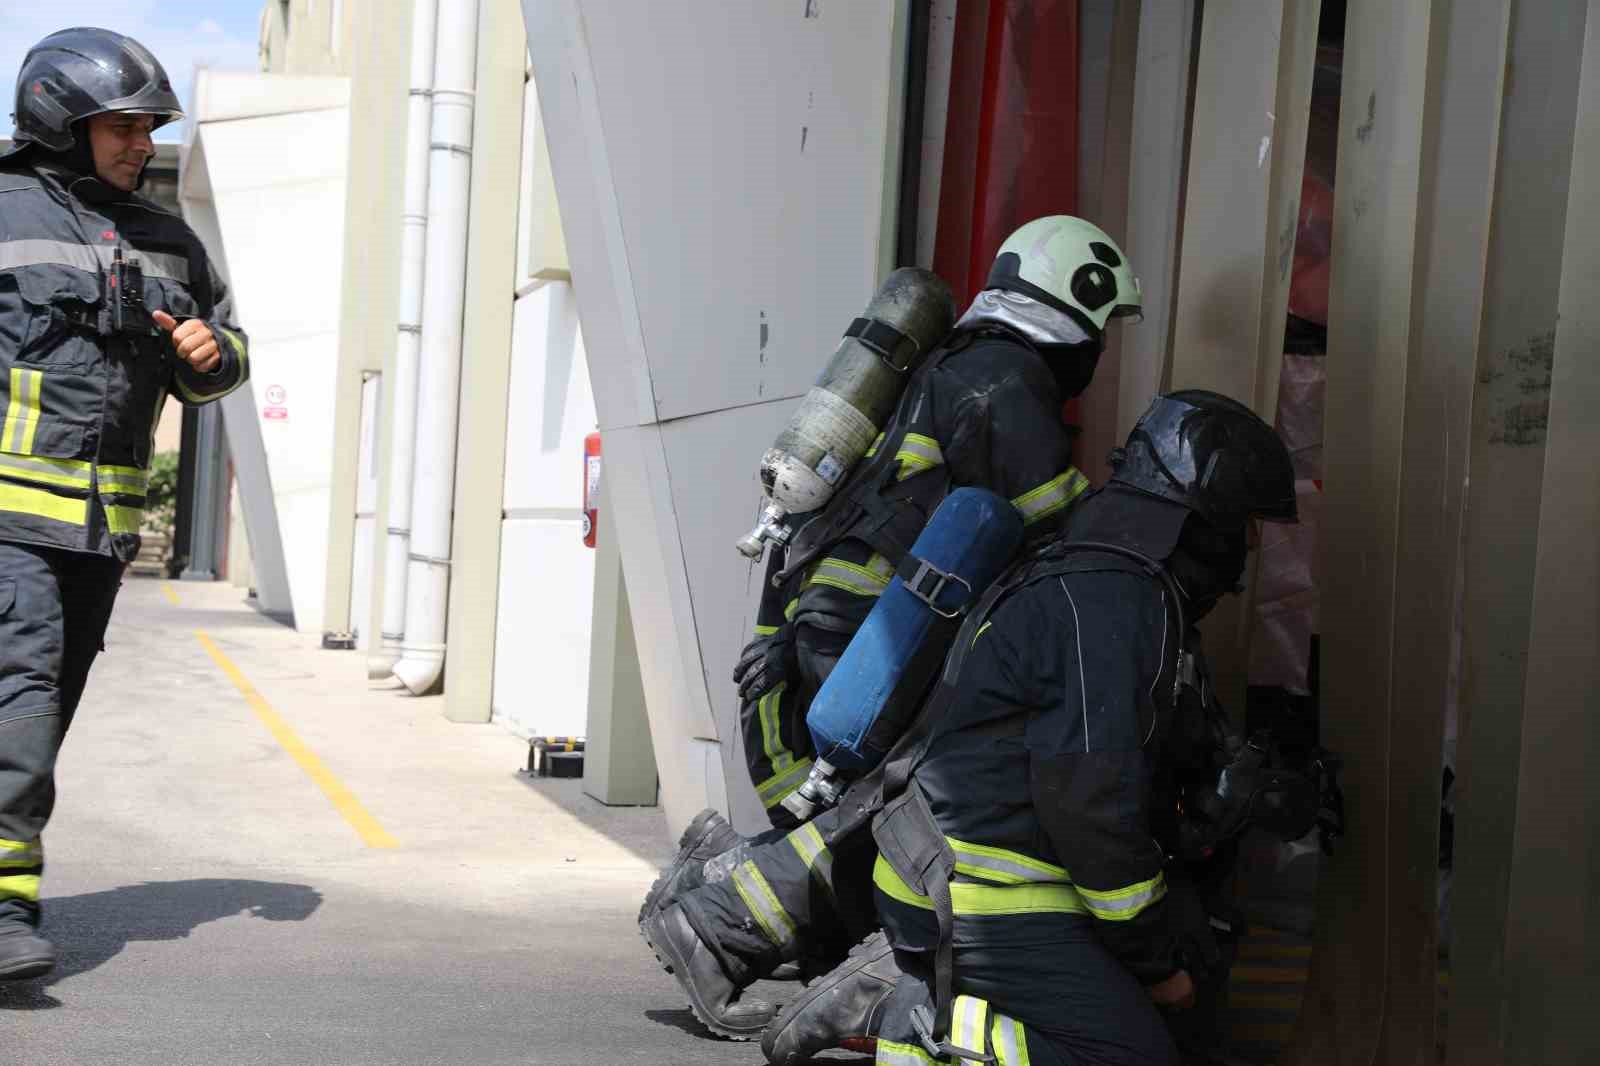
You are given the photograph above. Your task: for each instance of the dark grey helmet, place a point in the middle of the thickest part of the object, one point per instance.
(1212, 456)
(73, 74)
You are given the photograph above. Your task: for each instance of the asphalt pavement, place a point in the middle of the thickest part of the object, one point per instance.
(256, 860)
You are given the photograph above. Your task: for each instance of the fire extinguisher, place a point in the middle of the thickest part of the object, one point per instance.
(591, 487)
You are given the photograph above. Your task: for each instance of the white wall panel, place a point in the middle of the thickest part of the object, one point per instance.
(280, 219)
(545, 606)
(541, 663)
(551, 404)
(725, 171)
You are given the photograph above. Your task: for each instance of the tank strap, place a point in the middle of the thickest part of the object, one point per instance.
(897, 350)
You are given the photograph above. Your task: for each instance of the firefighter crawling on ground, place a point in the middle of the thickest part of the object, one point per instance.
(959, 842)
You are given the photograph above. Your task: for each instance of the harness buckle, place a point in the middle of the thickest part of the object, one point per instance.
(940, 580)
(941, 1050)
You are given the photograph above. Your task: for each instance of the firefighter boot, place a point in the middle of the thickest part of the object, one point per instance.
(712, 994)
(843, 1009)
(23, 952)
(708, 836)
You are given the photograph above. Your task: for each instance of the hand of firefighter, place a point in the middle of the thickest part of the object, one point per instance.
(192, 340)
(765, 663)
(1176, 992)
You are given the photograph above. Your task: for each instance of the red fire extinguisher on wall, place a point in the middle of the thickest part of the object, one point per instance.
(591, 487)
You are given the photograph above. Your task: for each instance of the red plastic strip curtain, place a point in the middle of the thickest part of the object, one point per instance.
(1011, 135)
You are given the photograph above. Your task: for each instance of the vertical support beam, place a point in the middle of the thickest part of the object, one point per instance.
(208, 484)
(486, 375)
(1109, 157)
(1369, 338)
(1247, 152)
(369, 291)
(1551, 968)
(619, 762)
(1504, 746)
(1156, 169)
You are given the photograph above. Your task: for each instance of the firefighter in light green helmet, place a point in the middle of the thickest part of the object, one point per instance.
(983, 409)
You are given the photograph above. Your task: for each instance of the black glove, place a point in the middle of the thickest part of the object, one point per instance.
(765, 663)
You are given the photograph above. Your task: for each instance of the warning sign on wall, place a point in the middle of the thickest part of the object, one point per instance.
(275, 409)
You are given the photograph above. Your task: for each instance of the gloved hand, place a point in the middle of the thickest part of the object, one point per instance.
(765, 663)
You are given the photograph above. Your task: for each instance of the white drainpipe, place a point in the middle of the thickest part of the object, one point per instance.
(444, 302)
(402, 378)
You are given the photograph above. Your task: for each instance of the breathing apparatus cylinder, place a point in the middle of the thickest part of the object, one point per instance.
(877, 686)
(840, 417)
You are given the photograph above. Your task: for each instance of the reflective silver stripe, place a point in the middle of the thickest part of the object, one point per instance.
(807, 841)
(763, 903)
(1003, 866)
(918, 453)
(893, 1054)
(1121, 904)
(91, 258)
(850, 577)
(773, 790)
(71, 473)
(968, 1018)
(1010, 1041)
(1054, 495)
(17, 854)
(22, 413)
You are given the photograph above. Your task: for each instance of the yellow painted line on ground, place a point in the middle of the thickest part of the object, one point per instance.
(342, 798)
(169, 592)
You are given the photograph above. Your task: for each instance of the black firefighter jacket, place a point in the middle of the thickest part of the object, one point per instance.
(80, 401)
(1044, 775)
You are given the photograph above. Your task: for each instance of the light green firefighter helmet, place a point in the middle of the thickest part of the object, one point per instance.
(1071, 265)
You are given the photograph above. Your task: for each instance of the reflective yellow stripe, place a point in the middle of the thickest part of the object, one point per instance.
(807, 843)
(21, 854)
(121, 519)
(767, 708)
(1121, 904)
(918, 453)
(127, 480)
(869, 580)
(43, 503)
(20, 886)
(763, 903)
(789, 611)
(1054, 495)
(893, 1054)
(981, 631)
(872, 449)
(969, 1020)
(983, 900)
(1010, 1041)
(22, 414)
(69, 472)
(1004, 866)
(773, 790)
(766, 631)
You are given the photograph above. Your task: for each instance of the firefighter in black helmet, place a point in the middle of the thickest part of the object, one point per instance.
(1085, 648)
(107, 304)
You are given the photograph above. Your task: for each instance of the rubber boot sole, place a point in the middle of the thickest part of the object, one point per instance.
(704, 824)
(28, 966)
(678, 967)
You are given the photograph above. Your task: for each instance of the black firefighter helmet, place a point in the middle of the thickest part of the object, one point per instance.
(74, 74)
(1192, 452)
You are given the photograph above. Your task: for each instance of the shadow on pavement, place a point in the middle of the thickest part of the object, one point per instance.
(93, 928)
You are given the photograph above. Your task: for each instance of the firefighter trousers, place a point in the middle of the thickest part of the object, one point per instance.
(1057, 1000)
(54, 607)
(805, 896)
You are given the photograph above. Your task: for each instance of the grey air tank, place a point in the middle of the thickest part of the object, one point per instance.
(841, 415)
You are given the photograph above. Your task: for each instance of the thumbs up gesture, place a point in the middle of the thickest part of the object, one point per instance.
(192, 340)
